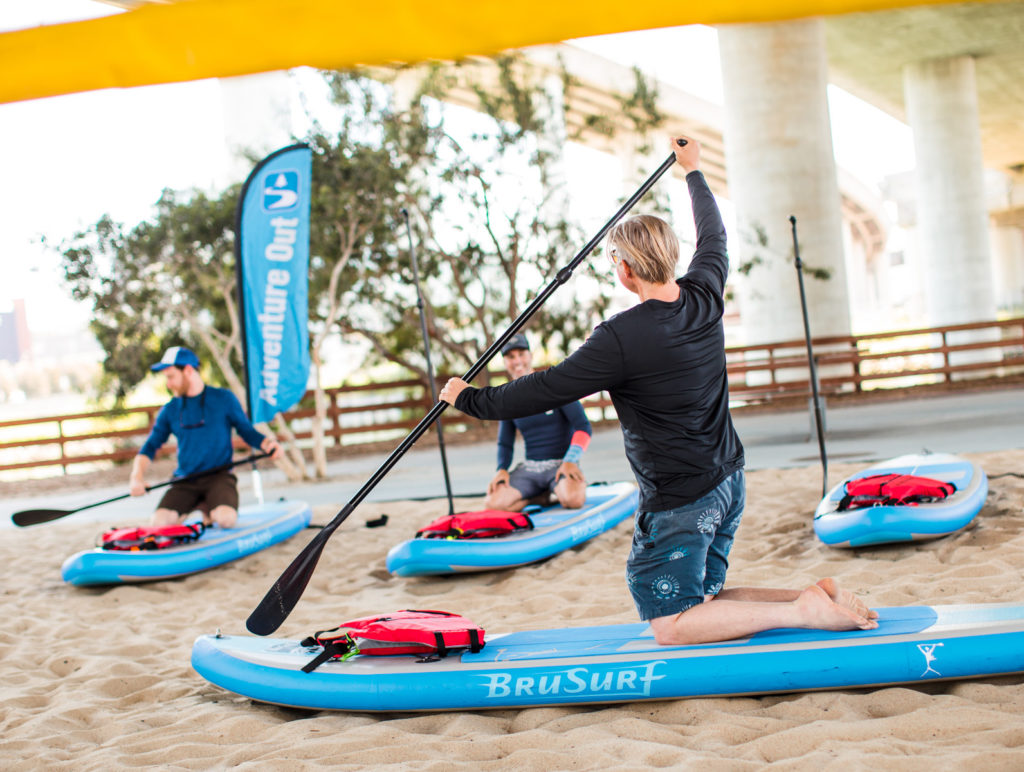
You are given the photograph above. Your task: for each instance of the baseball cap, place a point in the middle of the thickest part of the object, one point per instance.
(516, 341)
(176, 356)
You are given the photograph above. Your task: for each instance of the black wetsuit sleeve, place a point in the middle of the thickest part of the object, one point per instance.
(710, 264)
(596, 366)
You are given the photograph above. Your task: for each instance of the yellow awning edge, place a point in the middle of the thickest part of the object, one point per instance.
(199, 39)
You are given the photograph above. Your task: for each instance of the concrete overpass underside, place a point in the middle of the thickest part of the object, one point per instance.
(880, 57)
(869, 52)
(600, 85)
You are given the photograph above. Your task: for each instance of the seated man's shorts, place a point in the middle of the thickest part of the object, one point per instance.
(533, 478)
(680, 555)
(204, 493)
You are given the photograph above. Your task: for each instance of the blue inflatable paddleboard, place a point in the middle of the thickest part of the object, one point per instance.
(622, 663)
(554, 530)
(893, 524)
(259, 526)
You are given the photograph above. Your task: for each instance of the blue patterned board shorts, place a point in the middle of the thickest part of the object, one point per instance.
(680, 555)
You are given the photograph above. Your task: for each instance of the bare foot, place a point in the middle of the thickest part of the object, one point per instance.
(846, 599)
(819, 612)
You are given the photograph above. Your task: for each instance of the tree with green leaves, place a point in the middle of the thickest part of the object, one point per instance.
(488, 208)
(490, 221)
(485, 244)
(166, 281)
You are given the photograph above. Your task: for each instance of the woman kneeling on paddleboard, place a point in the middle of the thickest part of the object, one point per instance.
(663, 363)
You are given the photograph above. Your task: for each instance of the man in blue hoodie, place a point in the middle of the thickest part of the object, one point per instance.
(201, 418)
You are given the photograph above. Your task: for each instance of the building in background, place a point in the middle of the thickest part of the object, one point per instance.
(15, 339)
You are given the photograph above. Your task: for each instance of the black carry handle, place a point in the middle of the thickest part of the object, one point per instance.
(279, 601)
(37, 516)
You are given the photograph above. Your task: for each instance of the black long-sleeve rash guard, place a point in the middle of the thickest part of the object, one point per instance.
(663, 363)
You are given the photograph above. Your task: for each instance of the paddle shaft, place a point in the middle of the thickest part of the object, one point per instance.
(37, 516)
(279, 601)
(816, 397)
(430, 366)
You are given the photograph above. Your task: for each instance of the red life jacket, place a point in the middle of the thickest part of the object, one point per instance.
(430, 633)
(150, 538)
(476, 525)
(893, 490)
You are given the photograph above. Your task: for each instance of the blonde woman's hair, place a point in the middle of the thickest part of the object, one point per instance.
(649, 245)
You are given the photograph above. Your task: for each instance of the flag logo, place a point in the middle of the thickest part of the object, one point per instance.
(281, 190)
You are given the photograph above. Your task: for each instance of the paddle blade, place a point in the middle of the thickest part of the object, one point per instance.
(279, 601)
(37, 516)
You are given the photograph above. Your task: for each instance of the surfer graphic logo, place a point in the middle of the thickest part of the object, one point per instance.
(928, 650)
(281, 191)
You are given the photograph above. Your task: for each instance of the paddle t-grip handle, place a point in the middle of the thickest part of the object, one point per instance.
(681, 142)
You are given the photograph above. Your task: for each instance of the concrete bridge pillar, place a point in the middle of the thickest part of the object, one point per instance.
(953, 223)
(1008, 242)
(778, 148)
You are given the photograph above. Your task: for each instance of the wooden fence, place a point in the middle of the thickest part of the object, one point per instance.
(761, 374)
(876, 361)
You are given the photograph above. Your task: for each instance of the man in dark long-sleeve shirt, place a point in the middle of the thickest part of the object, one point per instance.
(663, 363)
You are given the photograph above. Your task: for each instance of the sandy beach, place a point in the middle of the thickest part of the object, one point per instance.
(99, 679)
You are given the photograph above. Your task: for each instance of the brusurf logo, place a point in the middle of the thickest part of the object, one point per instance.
(281, 191)
(622, 682)
(582, 531)
(249, 543)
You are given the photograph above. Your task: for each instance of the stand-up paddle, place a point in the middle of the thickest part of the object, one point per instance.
(37, 516)
(811, 363)
(430, 366)
(279, 601)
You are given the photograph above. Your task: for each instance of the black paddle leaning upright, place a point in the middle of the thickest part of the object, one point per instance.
(430, 366)
(279, 601)
(811, 363)
(37, 516)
